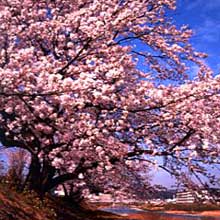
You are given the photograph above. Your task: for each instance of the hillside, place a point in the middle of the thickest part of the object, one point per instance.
(17, 206)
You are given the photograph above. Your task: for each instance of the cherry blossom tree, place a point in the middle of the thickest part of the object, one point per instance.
(72, 96)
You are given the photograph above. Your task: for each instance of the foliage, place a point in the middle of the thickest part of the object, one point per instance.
(71, 94)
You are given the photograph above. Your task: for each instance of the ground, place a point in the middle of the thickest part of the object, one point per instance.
(26, 206)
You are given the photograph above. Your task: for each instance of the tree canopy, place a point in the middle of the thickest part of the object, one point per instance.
(71, 93)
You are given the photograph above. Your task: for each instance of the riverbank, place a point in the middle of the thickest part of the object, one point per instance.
(208, 215)
(204, 213)
(140, 214)
(26, 205)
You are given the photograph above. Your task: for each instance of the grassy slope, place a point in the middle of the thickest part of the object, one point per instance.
(16, 206)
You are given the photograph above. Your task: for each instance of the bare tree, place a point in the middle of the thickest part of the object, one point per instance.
(17, 167)
(2, 167)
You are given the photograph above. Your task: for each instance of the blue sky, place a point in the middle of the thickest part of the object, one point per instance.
(203, 18)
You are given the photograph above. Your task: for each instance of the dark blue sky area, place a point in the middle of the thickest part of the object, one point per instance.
(203, 17)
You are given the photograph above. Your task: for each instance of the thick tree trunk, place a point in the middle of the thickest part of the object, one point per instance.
(40, 175)
(33, 178)
(47, 174)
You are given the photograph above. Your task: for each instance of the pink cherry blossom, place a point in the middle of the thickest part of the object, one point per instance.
(71, 94)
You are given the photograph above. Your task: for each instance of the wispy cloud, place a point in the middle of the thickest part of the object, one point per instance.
(205, 5)
(212, 4)
(208, 31)
(192, 4)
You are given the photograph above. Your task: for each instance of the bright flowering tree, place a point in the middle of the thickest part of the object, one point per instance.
(71, 93)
